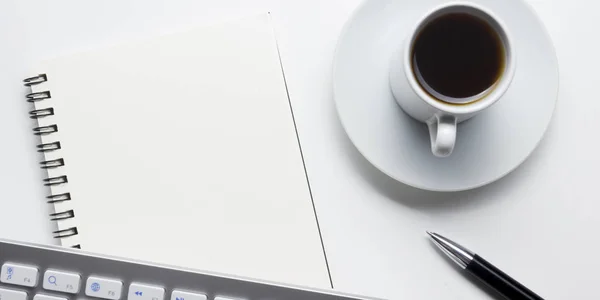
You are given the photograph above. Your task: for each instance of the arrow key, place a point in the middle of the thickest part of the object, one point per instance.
(181, 295)
(138, 291)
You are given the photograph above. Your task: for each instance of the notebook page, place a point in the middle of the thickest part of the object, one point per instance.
(182, 150)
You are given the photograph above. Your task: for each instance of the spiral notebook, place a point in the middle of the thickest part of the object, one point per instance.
(180, 150)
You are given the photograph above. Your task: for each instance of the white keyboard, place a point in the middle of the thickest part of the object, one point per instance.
(39, 272)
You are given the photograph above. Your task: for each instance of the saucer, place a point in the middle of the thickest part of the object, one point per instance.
(488, 146)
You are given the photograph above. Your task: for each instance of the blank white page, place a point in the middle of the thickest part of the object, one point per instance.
(183, 150)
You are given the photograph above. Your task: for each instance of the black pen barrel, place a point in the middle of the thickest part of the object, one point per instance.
(499, 281)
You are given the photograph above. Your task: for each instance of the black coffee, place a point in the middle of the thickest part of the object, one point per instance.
(458, 55)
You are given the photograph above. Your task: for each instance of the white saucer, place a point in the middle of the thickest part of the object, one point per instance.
(488, 146)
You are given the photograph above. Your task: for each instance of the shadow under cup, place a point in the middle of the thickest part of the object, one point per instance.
(459, 55)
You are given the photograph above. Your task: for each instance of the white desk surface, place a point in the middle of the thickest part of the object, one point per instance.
(540, 224)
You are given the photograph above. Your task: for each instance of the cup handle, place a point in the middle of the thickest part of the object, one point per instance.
(442, 131)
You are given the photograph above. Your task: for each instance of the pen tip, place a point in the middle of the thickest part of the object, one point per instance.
(430, 233)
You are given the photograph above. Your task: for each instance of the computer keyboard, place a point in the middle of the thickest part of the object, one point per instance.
(39, 272)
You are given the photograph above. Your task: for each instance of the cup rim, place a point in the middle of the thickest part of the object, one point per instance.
(497, 90)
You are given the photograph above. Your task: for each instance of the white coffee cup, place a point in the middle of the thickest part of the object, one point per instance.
(441, 113)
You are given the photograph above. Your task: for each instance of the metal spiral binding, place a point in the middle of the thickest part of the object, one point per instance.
(34, 97)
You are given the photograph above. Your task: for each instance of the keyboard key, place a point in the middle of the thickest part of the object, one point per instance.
(61, 281)
(19, 274)
(181, 295)
(46, 297)
(138, 291)
(104, 288)
(226, 298)
(12, 295)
